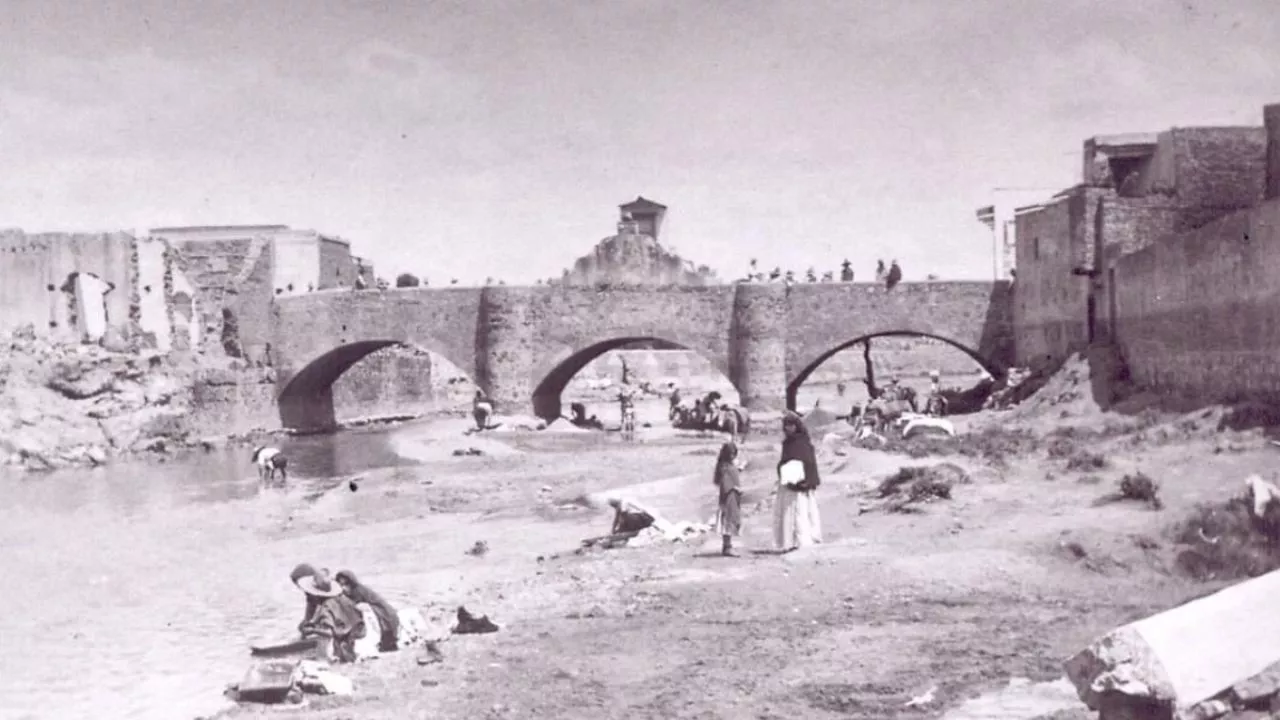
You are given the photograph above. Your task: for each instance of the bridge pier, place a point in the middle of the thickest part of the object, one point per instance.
(758, 345)
(505, 348)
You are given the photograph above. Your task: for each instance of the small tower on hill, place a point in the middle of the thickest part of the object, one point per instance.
(641, 216)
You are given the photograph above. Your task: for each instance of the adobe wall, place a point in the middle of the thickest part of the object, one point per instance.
(1196, 312)
(296, 255)
(1050, 302)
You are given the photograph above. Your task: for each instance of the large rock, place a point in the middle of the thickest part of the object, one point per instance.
(135, 430)
(78, 383)
(1186, 655)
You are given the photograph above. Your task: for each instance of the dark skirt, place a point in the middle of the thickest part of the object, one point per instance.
(729, 517)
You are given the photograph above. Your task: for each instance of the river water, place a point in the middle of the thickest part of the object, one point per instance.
(134, 588)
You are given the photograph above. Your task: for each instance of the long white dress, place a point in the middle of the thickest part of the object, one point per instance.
(796, 521)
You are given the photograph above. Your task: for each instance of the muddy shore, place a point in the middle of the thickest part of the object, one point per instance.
(1029, 559)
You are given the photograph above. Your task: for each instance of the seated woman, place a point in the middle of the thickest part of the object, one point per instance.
(335, 619)
(388, 618)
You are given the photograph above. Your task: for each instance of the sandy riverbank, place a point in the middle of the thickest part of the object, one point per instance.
(1020, 568)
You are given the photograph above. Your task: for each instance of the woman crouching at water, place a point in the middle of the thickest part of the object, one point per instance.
(336, 618)
(305, 571)
(388, 619)
(796, 522)
(729, 515)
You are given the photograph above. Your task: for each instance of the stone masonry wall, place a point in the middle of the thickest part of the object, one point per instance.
(212, 267)
(1219, 170)
(1197, 313)
(392, 382)
(525, 343)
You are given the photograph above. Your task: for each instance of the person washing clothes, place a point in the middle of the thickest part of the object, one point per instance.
(336, 618)
(305, 570)
(728, 479)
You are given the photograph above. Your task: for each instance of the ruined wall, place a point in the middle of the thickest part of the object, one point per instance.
(337, 269)
(248, 305)
(1196, 312)
(296, 255)
(230, 275)
(185, 311)
(153, 295)
(35, 267)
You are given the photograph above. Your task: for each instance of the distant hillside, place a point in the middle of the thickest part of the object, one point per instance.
(635, 260)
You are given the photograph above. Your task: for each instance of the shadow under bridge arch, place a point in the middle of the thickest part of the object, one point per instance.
(996, 369)
(696, 370)
(306, 402)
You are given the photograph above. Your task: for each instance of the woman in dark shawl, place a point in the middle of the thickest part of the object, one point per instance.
(336, 618)
(388, 619)
(796, 521)
(729, 515)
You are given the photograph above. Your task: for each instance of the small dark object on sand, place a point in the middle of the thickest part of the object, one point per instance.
(468, 624)
(480, 549)
(433, 654)
(353, 485)
(468, 452)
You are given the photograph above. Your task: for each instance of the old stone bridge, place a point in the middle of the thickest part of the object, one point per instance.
(523, 344)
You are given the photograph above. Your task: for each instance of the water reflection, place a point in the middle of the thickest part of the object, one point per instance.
(129, 572)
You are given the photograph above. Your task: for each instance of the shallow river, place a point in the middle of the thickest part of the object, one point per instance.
(134, 588)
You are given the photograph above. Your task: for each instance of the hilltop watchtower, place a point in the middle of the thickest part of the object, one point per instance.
(641, 216)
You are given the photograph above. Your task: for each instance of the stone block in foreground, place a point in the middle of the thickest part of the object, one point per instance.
(1191, 653)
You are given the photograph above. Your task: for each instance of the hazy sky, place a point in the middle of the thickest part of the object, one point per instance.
(476, 138)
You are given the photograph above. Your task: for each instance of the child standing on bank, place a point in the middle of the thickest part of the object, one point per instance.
(727, 479)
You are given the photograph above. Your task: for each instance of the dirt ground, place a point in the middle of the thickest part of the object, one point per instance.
(1019, 569)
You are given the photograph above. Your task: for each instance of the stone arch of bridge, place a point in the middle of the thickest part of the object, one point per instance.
(552, 380)
(305, 401)
(996, 369)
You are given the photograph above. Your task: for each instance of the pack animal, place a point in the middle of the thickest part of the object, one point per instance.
(270, 461)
